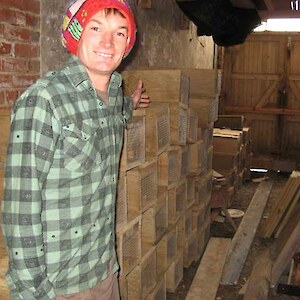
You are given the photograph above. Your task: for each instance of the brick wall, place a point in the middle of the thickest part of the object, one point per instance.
(19, 48)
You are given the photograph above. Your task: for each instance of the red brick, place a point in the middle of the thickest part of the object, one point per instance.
(5, 48)
(2, 30)
(2, 99)
(12, 17)
(5, 81)
(35, 36)
(14, 65)
(13, 33)
(32, 6)
(5, 14)
(34, 65)
(24, 81)
(14, 3)
(11, 97)
(26, 51)
(21, 91)
(32, 21)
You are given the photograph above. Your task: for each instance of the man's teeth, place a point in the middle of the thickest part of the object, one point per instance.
(103, 54)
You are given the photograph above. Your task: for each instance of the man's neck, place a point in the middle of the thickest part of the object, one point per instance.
(99, 81)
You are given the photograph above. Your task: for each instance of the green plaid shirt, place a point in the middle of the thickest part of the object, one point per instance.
(60, 184)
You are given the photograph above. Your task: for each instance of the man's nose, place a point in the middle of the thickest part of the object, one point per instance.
(107, 39)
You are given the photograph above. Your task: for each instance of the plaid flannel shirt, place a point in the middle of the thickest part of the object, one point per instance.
(60, 184)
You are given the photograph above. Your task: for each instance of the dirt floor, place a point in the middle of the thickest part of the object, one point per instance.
(241, 201)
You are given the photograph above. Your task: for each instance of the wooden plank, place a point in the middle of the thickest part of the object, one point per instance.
(250, 109)
(272, 88)
(295, 89)
(258, 285)
(3, 257)
(279, 243)
(278, 210)
(211, 266)
(145, 4)
(284, 258)
(170, 86)
(242, 240)
(204, 83)
(4, 290)
(291, 209)
(269, 4)
(256, 76)
(5, 130)
(235, 122)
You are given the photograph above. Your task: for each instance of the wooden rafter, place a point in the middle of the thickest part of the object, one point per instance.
(269, 4)
(278, 14)
(272, 111)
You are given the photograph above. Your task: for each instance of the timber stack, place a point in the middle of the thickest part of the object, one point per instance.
(232, 154)
(165, 184)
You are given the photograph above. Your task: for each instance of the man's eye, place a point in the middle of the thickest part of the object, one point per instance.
(122, 34)
(95, 28)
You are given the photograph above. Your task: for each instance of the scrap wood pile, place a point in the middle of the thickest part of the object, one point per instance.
(277, 266)
(271, 266)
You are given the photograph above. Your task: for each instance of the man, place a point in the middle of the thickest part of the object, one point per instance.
(62, 162)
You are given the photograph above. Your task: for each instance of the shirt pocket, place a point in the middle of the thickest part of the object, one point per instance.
(82, 146)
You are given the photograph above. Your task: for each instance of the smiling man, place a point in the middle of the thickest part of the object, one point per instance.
(62, 163)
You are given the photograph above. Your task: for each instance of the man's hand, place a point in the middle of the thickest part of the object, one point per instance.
(140, 99)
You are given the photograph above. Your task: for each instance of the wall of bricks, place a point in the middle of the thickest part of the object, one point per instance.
(19, 48)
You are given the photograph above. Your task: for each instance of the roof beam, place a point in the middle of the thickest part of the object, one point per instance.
(269, 4)
(278, 14)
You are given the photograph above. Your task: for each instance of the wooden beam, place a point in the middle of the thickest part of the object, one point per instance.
(278, 14)
(258, 285)
(279, 243)
(206, 281)
(295, 89)
(287, 197)
(273, 111)
(5, 112)
(144, 3)
(293, 206)
(243, 238)
(269, 4)
(256, 76)
(273, 87)
(297, 269)
(291, 247)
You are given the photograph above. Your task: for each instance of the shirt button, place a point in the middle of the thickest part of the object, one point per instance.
(100, 103)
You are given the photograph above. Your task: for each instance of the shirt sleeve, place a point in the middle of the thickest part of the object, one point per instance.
(34, 132)
(128, 108)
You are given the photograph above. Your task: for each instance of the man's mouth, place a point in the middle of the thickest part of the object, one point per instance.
(102, 54)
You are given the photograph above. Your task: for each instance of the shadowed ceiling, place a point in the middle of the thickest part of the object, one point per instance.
(269, 9)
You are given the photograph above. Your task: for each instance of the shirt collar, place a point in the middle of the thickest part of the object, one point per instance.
(80, 75)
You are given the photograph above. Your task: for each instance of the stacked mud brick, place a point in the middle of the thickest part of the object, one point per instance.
(164, 191)
(4, 125)
(232, 153)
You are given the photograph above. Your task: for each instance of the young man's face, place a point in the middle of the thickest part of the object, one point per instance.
(102, 44)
